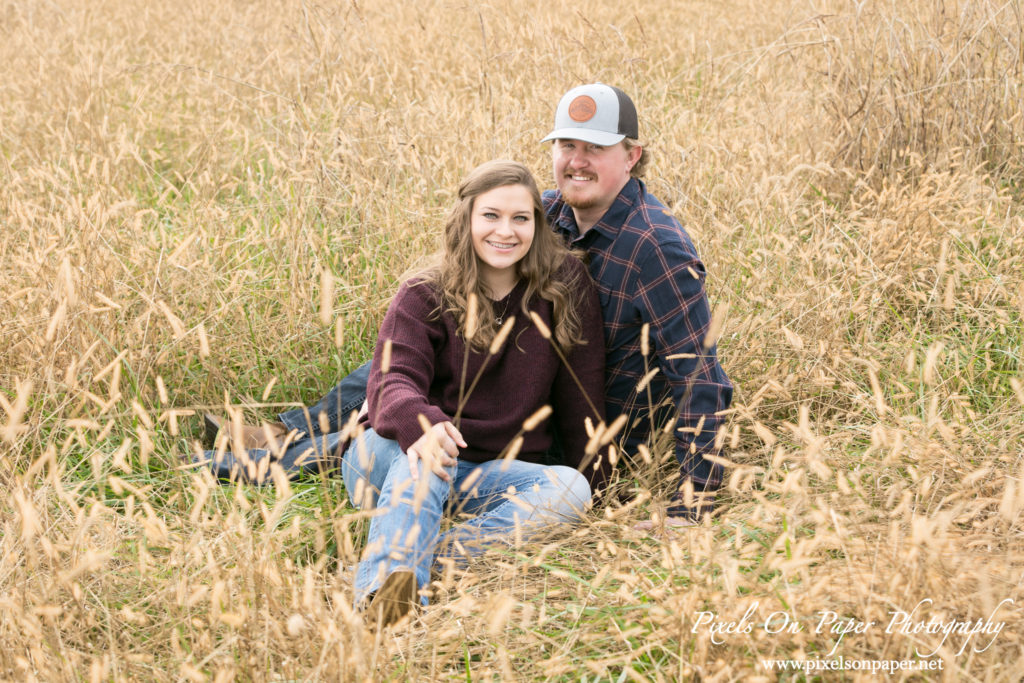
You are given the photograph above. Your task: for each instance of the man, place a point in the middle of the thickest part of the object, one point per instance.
(647, 274)
(648, 277)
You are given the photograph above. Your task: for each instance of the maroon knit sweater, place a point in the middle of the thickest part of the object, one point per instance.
(524, 375)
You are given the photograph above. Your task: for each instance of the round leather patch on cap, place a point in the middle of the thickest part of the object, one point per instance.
(582, 108)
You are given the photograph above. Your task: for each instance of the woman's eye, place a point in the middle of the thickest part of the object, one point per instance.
(490, 215)
(521, 219)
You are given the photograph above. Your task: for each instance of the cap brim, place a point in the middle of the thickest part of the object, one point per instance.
(594, 137)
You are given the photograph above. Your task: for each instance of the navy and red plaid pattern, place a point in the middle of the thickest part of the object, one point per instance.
(647, 271)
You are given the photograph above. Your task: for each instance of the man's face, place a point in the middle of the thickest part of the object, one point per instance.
(590, 176)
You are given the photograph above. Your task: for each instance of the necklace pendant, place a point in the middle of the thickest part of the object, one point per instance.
(498, 320)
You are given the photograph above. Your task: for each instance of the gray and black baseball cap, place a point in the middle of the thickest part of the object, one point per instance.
(596, 113)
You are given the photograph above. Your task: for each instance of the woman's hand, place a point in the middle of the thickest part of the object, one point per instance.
(438, 448)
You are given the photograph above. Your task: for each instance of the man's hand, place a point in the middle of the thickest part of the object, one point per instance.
(679, 514)
(438, 448)
(686, 509)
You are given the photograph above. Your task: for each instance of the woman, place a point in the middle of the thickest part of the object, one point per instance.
(505, 324)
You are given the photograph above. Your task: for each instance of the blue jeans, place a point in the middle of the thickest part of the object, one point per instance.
(304, 455)
(331, 413)
(509, 498)
(317, 449)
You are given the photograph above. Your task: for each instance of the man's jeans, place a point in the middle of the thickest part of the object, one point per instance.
(317, 448)
(333, 411)
(509, 498)
(303, 455)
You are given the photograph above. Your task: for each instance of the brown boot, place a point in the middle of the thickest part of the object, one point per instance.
(393, 600)
(273, 436)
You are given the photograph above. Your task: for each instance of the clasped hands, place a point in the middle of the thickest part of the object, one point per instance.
(438, 448)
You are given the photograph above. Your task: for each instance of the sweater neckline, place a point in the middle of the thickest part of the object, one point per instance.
(515, 288)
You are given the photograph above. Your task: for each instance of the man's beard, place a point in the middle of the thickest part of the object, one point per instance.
(580, 203)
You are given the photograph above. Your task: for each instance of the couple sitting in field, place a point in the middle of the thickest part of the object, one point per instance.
(490, 363)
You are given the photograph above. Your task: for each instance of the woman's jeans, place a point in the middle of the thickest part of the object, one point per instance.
(510, 500)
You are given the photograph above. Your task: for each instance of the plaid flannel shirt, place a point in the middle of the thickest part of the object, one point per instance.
(647, 271)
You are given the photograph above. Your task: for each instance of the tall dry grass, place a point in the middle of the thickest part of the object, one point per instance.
(176, 179)
(940, 83)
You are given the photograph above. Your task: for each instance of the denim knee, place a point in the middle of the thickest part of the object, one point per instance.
(365, 466)
(437, 490)
(573, 489)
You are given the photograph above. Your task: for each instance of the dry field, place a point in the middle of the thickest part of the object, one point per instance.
(176, 179)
